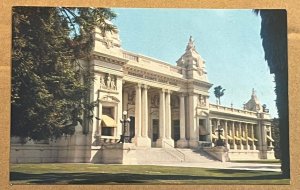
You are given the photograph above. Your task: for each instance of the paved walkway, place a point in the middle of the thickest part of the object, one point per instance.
(224, 165)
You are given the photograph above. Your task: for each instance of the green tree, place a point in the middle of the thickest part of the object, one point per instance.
(49, 85)
(274, 41)
(219, 92)
(276, 137)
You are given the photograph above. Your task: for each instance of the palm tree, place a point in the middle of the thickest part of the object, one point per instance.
(274, 40)
(219, 91)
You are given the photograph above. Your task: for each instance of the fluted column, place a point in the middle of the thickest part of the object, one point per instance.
(226, 134)
(145, 111)
(138, 110)
(182, 118)
(162, 116)
(234, 134)
(240, 135)
(168, 115)
(259, 136)
(247, 141)
(253, 137)
(182, 142)
(210, 130)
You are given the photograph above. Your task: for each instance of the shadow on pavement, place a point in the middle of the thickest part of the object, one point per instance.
(125, 178)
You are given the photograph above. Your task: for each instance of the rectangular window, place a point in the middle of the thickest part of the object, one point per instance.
(107, 131)
(108, 111)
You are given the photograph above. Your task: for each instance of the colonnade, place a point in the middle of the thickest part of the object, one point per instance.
(238, 135)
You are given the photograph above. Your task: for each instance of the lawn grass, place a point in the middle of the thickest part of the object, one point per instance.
(135, 174)
(274, 161)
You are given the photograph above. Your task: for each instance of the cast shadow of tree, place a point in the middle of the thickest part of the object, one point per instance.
(125, 178)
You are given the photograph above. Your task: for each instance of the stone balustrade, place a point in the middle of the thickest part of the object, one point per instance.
(153, 62)
(224, 109)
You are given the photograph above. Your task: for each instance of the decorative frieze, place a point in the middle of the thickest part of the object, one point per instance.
(108, 82)
(201, 101)
(151, 76)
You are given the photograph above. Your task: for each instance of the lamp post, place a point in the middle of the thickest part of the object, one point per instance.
(219, 141)
(125, 137)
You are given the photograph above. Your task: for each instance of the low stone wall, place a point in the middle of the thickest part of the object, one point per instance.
(72, 150)
(244, 155)
(67, 149)
(218, 152)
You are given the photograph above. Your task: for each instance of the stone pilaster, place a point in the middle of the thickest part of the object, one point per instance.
(194, 133)
(182, 142)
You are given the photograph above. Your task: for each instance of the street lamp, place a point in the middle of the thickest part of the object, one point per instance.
(219, 141)
(125, 137)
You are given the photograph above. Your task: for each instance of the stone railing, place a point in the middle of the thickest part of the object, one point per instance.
(232, 110)
(130, 56)
(153, 62)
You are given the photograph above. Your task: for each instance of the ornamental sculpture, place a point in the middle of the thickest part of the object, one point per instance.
(108, 82)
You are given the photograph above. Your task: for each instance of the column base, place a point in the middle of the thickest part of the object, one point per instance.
(182, 143)
(248, 147)
(241, 147)
(193, 143)
(228, 146)
(234, 147)
(142, 141)
(165, 143)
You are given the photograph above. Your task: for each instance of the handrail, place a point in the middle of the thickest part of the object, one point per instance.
(183, 155)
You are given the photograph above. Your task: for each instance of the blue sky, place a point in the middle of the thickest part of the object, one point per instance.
(228, 40)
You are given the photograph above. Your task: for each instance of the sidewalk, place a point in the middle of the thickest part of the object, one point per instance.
(224, 165)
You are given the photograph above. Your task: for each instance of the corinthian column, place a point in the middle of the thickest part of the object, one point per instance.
(226, 134)
(168, 115)
(182, 118)
(182, 142)
(138, 110)
(143, 140)
(162, 113)
(145, 112)
(240, 133)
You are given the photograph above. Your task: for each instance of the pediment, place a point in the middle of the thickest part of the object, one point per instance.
(108, 98)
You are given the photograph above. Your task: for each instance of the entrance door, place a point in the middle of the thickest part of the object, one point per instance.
(132, 126)
(155, 129)
(202, 130)
(176, 130)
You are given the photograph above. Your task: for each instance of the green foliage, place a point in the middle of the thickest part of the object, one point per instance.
(274, 37)
(276, 137)
(49, 85)
(219, 92)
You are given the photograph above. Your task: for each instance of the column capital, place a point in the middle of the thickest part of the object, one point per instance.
(138, 85)
(146, 87)
(182, 94)
(168, 91)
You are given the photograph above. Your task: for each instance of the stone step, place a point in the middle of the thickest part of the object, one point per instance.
(162, 155)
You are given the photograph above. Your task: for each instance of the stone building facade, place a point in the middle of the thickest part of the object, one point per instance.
(168, 107)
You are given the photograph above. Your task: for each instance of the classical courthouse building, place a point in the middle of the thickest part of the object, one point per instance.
(168, 107)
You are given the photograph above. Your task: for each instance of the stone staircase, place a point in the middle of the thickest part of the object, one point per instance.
(172, 155)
